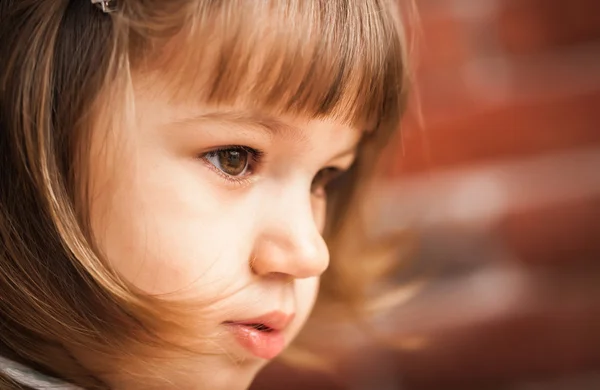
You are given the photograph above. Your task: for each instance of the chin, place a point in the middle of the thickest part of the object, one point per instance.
(216, 372)
(237, 377)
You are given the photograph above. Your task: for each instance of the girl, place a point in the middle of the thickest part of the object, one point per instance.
(165, 172)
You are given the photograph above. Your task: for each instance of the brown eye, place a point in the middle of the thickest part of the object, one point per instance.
(322, 179)
(231, 161)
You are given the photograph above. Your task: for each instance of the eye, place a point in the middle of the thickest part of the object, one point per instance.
(322, 179)
(232, 162)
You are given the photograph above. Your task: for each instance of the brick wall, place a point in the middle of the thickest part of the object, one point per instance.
(502, 79)
(501, 82)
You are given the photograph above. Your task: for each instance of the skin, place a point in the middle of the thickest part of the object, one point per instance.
(173, 223)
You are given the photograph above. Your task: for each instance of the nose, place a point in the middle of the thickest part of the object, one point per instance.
(289, 242)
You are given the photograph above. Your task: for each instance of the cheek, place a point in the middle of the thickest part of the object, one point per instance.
(163, 230)
(306, 291)
(319, 208)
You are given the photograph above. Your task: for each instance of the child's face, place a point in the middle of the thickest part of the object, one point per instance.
(238, 230)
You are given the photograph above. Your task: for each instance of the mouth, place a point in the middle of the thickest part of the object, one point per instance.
(258, 326)
(263, 336)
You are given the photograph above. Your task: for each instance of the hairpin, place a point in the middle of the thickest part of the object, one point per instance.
(107, 6)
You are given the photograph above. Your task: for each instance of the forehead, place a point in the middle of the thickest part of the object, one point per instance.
(154, 105)
(323, 59)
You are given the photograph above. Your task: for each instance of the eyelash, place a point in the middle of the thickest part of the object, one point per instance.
(256, 157)
(326, 175)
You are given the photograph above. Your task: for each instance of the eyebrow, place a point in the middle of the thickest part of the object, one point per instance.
(352, 151)
(267, 124)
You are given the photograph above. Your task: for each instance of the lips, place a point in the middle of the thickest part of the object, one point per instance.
(262, 336)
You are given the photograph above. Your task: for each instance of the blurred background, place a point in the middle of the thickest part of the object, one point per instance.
(497, 177)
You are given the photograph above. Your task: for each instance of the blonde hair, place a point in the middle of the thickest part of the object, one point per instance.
(61, 60)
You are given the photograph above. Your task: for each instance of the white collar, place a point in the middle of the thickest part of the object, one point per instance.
(29, 377)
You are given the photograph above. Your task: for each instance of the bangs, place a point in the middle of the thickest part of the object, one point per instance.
(316, 59)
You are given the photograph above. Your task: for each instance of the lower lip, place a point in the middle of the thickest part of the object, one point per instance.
(264, 345)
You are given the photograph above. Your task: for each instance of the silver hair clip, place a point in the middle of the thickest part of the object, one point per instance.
(107, 6)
